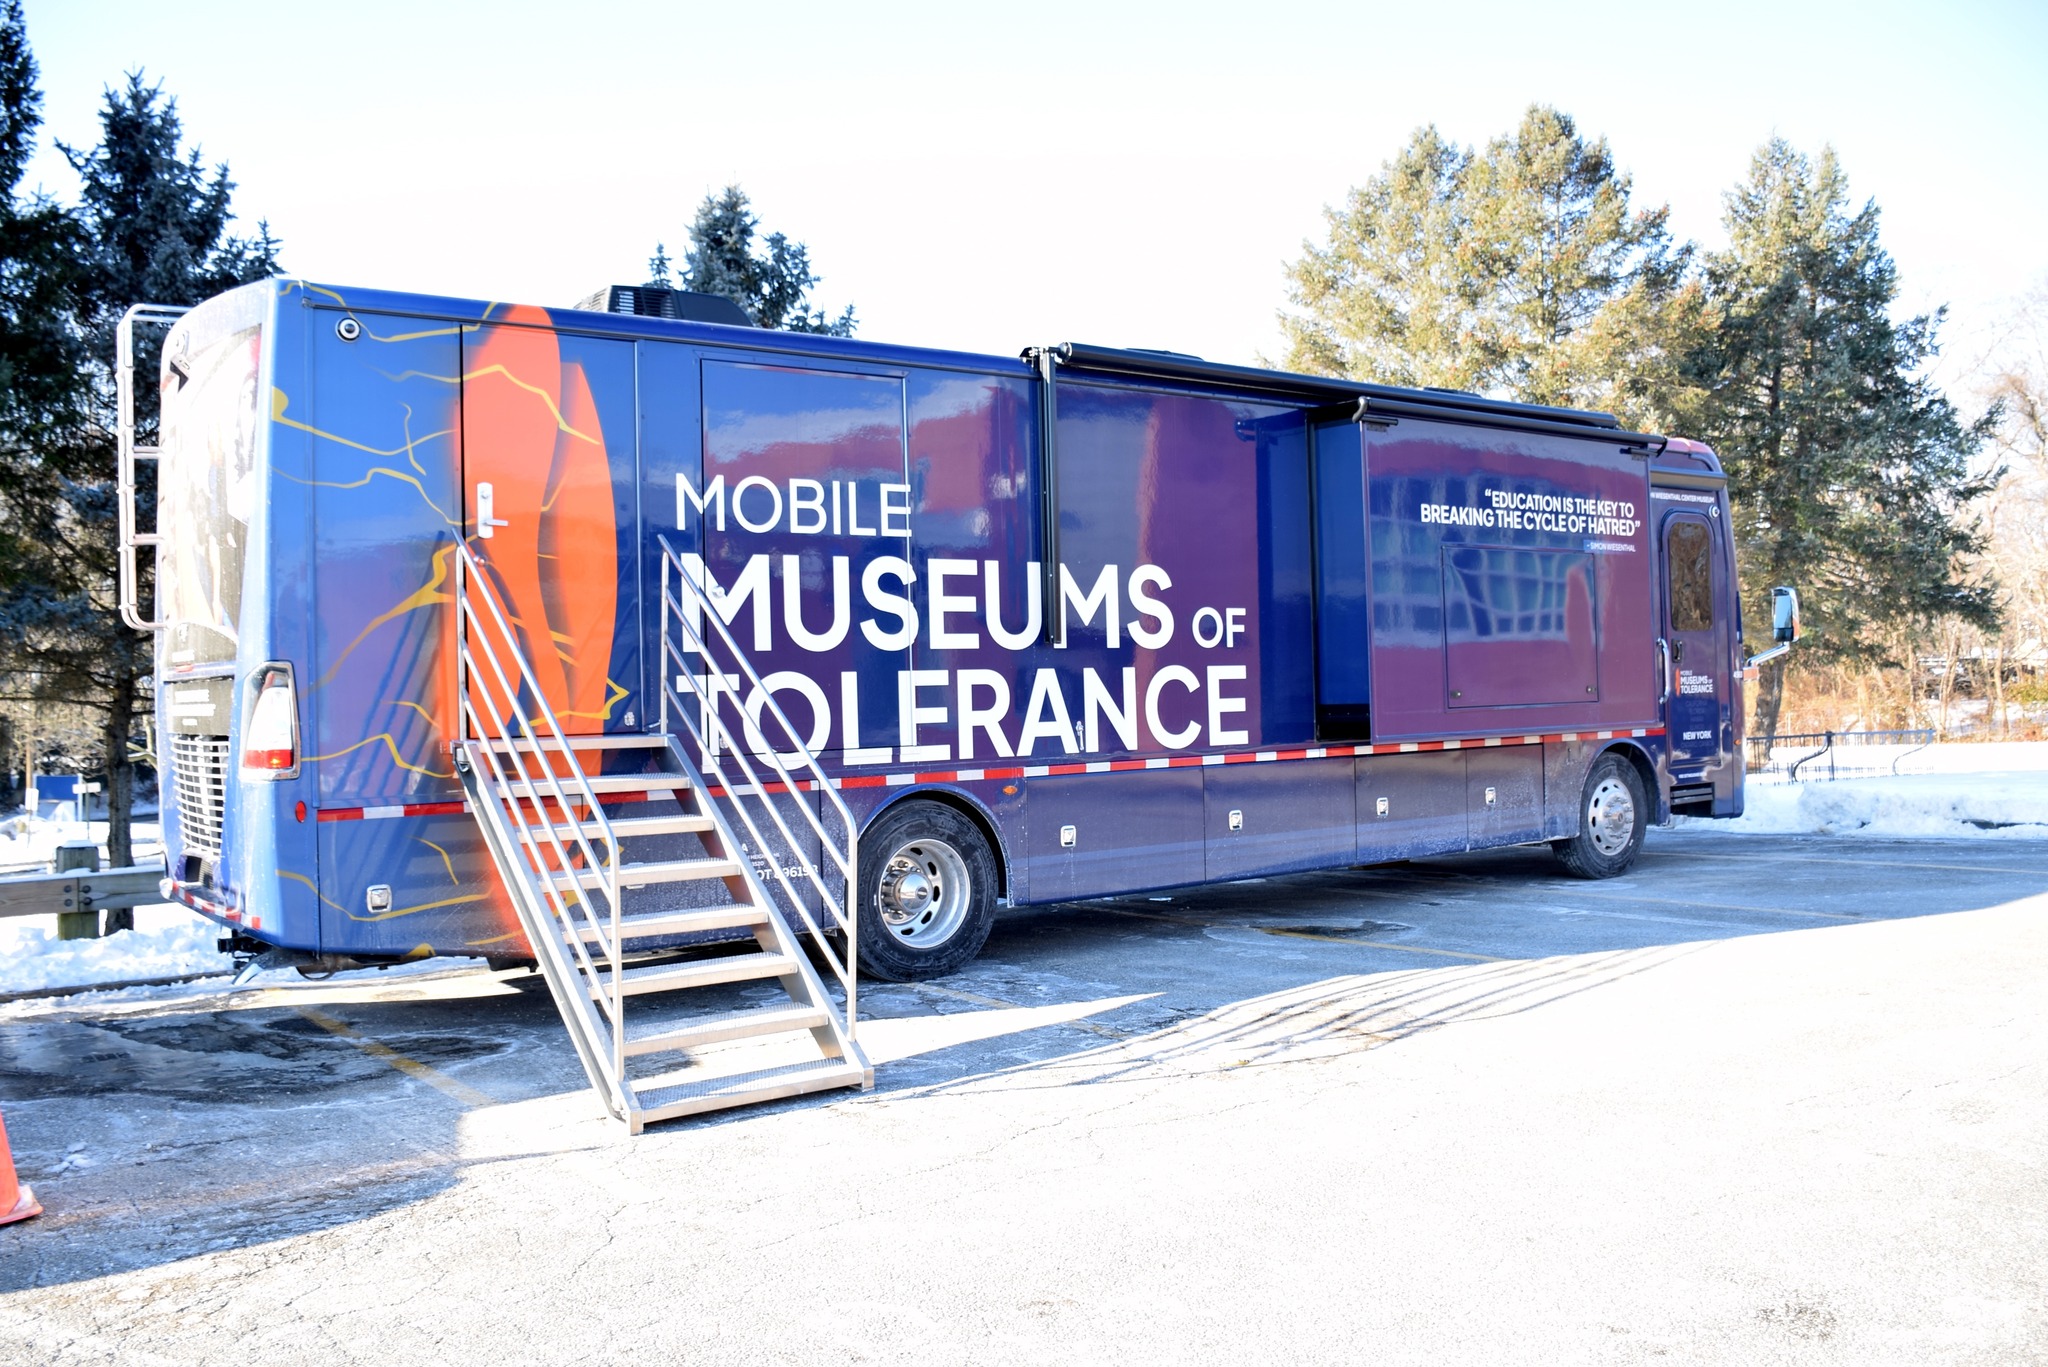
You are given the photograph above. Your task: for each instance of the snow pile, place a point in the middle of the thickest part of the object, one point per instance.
(166, 942)
(1997, 806)
(1853, 758)
(28, 843)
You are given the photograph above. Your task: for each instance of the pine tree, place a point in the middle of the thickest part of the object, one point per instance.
(44, 396)
(1388, 299)
(1848, 469)
(660, 269)
(1518, 270)
(772, 286)
(152, 227)
(1570, 274)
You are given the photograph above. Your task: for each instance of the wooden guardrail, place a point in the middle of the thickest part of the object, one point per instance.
(50, 894)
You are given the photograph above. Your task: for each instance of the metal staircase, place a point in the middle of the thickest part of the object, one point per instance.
(622, 857)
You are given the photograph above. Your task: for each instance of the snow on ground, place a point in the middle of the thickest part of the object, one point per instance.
(2012, 805)
(167, 941)
(28, 843)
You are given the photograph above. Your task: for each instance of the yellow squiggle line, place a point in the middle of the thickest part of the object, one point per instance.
(301, 878)
(561, 423)
(619, 691)
(280, 401)
(415, 336)
(390, 745)
(431, 720)
(424, 906)
(405, 424)
(399, 475)
(425, 596)
(446, 862)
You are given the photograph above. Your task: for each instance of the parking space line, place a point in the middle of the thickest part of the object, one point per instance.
(1695, 904)
(1307, 935)
(1578, 889)
(411, 1067)
(1859, 863)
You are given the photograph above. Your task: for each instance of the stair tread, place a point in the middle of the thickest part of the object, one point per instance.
(730, 968)
(664, 1099)
(595, 742)
(632, 875)
(626, 827)
(633, 783)
(684, 920)
(648, 1037)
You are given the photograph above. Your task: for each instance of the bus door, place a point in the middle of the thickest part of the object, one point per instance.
(1697, 634)
(550, 456)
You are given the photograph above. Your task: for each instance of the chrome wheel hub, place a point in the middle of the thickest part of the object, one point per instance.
(924, 893)
(1611, 816)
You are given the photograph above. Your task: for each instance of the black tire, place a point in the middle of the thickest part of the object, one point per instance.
(925, 871)
(1613, 813)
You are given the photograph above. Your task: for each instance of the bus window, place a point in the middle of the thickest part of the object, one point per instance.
(1688, 554)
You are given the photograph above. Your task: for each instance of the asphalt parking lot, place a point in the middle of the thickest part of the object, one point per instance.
(1765, 1099)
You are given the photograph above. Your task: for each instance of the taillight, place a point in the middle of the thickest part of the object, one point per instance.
(270, 727)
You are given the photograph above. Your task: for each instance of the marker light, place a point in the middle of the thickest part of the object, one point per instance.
(270, 730)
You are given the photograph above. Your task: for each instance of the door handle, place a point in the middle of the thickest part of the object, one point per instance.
(486, 508)
(1664, 672)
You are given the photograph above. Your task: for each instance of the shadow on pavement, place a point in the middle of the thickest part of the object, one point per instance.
(161, 1126)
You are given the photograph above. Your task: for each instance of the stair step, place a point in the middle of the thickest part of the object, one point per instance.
(626, 827)
(733, 968)
(684, 921)
(654, 871)
(666, 1101)
(660, 1038)
(549, 744)
(631, 783)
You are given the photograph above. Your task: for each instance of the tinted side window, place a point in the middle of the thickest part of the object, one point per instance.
(1688, 560)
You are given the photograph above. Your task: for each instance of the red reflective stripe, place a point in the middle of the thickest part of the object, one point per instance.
(1115, 766)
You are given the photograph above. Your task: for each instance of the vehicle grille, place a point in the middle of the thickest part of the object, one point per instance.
(199, 773)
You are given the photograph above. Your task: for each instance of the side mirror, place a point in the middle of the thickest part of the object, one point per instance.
(1784, 628)
(1784, 614)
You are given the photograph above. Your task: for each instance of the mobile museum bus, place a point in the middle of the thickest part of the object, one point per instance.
(568, 635)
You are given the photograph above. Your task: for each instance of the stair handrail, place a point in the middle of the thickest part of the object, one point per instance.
(127, 453)
(469, 574)
(844, 909)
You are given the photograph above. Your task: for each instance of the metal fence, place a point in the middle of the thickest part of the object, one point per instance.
(1807, 755)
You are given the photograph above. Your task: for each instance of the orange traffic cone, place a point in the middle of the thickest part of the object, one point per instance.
(17, 1202)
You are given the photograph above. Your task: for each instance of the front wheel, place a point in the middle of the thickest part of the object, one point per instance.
(1613, 812)
(927, 892)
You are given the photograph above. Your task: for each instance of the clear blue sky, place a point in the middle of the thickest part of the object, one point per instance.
(989, 177)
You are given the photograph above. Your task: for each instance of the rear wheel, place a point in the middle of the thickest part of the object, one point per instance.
(1613, 812)
(927, 892)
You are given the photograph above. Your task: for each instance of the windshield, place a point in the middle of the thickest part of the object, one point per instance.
(206, 493)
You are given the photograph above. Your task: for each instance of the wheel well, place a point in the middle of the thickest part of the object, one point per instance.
(1646, 771)
(969, 809)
